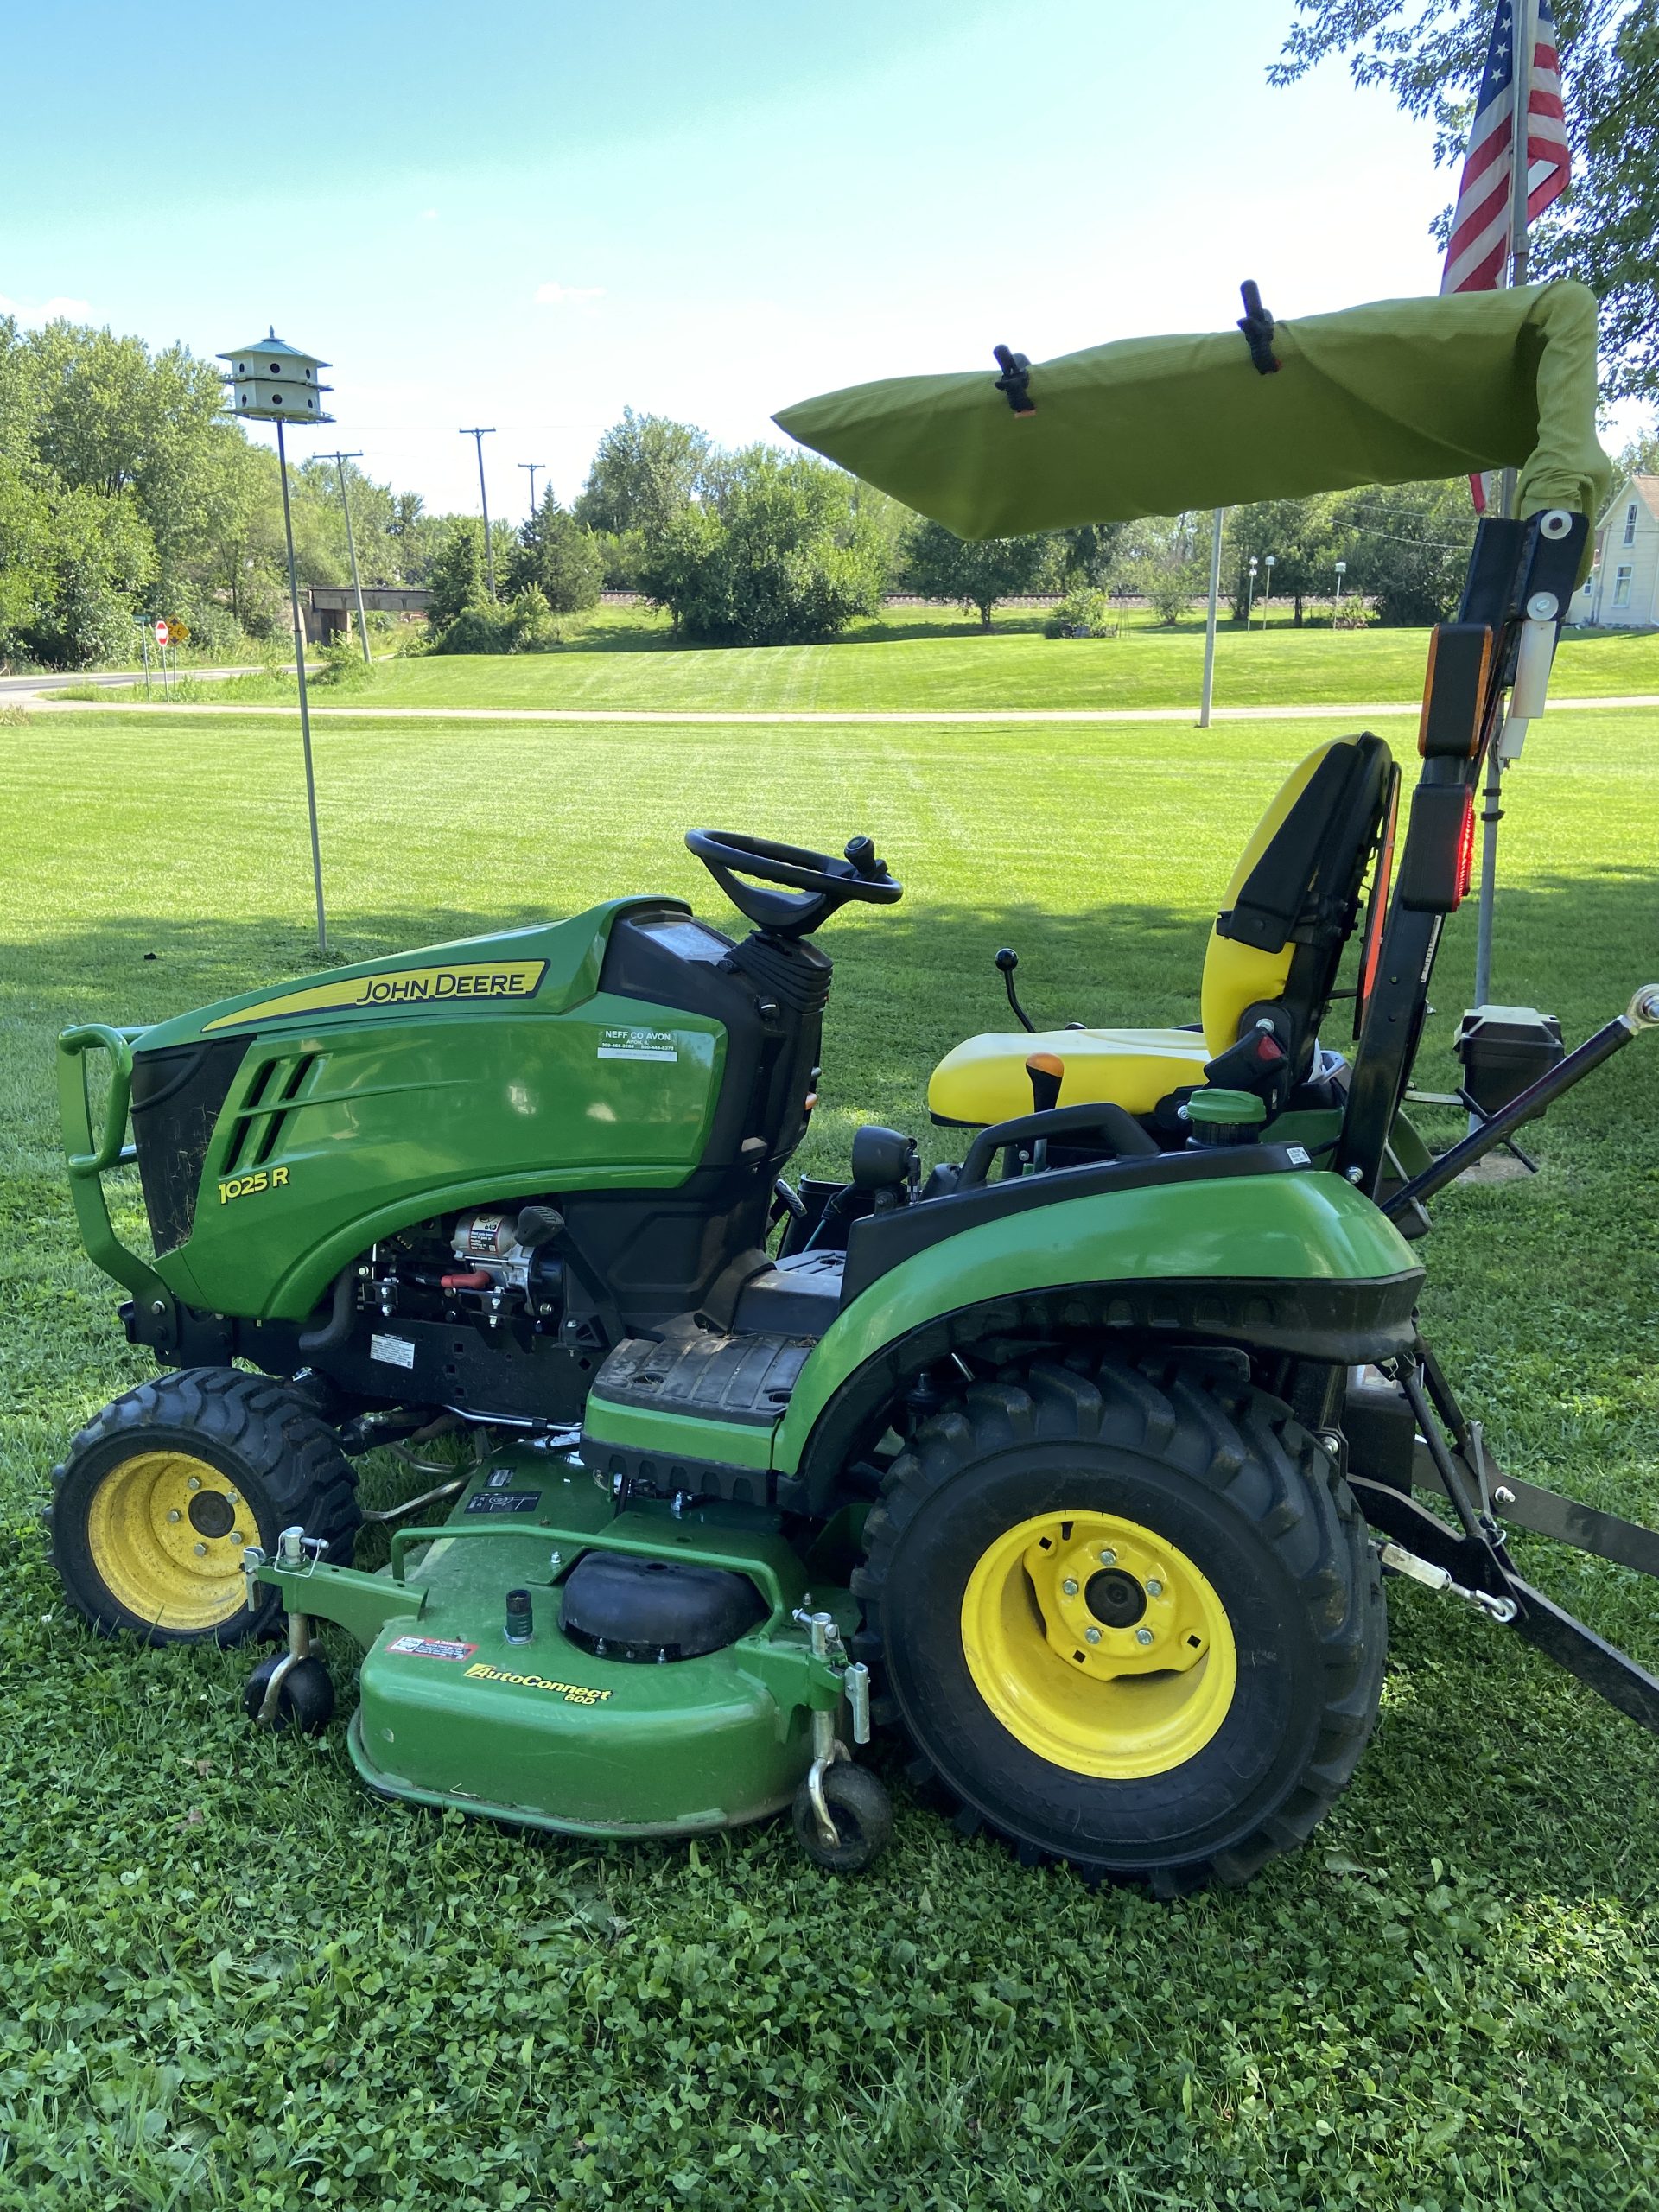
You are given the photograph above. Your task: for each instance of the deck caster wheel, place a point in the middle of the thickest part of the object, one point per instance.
(862, 1811)
(305, 1697)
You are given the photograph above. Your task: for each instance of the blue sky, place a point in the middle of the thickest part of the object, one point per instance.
(530, 215)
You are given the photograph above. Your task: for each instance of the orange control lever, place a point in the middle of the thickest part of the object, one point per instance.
(1047, 1071)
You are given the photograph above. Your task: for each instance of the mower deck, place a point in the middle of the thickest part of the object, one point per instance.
(541, 1731)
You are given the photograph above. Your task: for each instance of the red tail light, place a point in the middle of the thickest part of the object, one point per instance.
(1466, 850)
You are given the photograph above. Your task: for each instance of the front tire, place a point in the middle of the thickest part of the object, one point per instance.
(159, 1495)
(1129, 1618)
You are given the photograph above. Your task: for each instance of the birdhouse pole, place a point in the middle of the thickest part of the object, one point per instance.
(272, 382)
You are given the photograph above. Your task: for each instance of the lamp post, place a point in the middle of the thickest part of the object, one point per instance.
(1266, 594)
(478, 438)
(1250, 599)
(271, 382)
(1342, 570)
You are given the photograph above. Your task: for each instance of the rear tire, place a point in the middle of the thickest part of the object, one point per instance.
(159, 1495)
(1179, 1713)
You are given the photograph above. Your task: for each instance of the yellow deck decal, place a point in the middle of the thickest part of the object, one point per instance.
(496, 979)
(572, 1693)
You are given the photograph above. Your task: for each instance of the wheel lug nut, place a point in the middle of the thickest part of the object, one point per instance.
(236, 1535)
(1091, 1636)
(1068, 1588)
(231, 1498)
(202, 1551)
(175, 1514)
(194, 1483)
(1143, 1636)
(1108, 1557)
(1154, 1589)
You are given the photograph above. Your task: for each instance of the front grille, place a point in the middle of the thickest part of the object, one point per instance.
(177, 1093)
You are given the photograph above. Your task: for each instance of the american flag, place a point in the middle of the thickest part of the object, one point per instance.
(1476, 254)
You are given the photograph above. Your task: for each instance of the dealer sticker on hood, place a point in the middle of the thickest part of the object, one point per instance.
(637, 1044)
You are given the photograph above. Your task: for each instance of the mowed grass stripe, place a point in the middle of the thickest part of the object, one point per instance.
(229, 1979)
(627, 658)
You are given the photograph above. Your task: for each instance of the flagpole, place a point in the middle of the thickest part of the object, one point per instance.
(1524, 31)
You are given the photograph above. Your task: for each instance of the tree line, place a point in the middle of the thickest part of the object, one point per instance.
(126, 493)
(761, 547)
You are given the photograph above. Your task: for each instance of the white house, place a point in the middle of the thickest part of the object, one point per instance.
(1622, 591)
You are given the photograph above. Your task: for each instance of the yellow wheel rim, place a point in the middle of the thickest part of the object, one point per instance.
(166, 1532)
(1098, 1644)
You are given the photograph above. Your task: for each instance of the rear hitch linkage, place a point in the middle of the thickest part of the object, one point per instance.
(1396, 1559)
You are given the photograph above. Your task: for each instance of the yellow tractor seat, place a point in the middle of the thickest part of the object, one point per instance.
(984, 1080)
(1269, 970)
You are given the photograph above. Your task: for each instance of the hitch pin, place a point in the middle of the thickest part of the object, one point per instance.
(1398, 1561)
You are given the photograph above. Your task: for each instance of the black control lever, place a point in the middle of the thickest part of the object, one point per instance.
(1008, 960)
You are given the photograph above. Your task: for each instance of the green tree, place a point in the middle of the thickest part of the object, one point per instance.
(1605, 229)
(783, 556)
(559, 557)
(70, 562)
(1167, 559)
(456, 580)
(646, 469)
(938, 564)
(1301, 536)
(1090, 555)
(1407, 547)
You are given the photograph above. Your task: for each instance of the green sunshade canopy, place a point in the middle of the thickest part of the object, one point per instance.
(1389, 393)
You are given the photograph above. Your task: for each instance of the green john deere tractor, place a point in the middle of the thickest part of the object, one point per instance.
(1080, 1462)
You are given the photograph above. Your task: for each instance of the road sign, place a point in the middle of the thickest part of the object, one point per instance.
(177, 631)
(164, 633)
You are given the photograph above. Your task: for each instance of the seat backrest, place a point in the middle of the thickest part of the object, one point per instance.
(1294, 898)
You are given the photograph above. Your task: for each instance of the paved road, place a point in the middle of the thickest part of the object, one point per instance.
(690, 717)
(35, 687)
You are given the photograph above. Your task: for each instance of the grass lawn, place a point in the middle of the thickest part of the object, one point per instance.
(228, 1978)
(919, 657)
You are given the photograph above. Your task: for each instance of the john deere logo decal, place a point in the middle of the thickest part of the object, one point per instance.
(499, 979)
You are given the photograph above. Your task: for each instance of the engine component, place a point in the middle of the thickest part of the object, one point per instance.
(485, 1236)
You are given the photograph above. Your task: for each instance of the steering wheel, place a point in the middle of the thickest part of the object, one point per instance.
(818, 884)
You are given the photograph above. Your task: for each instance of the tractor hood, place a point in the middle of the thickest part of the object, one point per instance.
(545, 968)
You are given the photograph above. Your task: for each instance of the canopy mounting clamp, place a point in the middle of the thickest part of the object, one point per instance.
(1256, 324)
(1015, 379)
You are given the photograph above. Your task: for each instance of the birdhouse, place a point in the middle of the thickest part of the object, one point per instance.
(273, 382)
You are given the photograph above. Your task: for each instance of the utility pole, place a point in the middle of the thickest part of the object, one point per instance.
(478, 438)
(339, 460)
(536, 468)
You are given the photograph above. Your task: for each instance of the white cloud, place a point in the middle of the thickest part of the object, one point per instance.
(429, 215)
(567, 295)
(59, 308)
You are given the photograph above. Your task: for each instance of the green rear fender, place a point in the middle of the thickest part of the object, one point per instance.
(1296, 1235)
